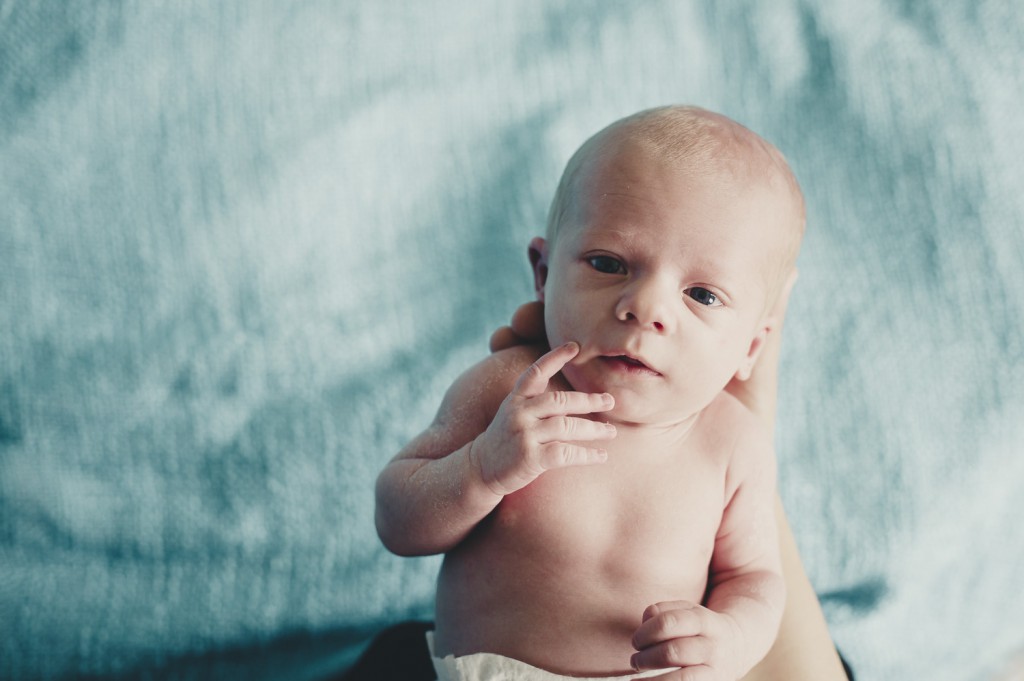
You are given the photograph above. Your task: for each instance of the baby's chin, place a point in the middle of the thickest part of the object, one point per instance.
(633, 406)
(630, 407)
(632, 414)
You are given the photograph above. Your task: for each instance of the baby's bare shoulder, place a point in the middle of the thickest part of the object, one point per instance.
(482, 387)
(747, 435)
(471, 402)
(498, 372)
(514, 361)
(741, 444)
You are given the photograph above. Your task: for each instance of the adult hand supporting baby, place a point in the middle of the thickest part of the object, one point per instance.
(536, 430)
(526, 328)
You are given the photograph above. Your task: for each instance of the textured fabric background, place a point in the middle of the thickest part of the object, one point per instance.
(245, 246)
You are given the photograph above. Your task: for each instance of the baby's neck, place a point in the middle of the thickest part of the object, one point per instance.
(667, 431)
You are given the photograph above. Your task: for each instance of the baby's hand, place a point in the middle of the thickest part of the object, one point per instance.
(704, 643)
(532, 430)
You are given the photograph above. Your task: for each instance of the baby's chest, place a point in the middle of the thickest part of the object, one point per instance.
(665, 509)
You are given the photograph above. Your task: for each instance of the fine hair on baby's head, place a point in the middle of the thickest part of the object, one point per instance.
(699, 143)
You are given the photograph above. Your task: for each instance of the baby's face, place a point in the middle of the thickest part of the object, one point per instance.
(661, 277)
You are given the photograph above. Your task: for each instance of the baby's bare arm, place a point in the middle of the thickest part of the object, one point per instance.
(486, 442)
(427, 497)
(803, 650)
(746, 581)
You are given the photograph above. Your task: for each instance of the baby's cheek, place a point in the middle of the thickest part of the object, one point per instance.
(556, 327)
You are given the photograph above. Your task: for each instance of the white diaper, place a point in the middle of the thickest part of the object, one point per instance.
(492, 667)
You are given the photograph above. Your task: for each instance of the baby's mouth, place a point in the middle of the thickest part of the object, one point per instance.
(629, 364)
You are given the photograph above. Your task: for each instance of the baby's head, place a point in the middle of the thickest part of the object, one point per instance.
(692, 141)
(670, 236)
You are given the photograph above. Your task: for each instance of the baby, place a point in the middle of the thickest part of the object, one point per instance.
(605, 507)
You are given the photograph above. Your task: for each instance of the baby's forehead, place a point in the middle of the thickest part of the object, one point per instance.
(737, 187)
(700, 146)
(632, 167)
(658, 146)
(706, 147)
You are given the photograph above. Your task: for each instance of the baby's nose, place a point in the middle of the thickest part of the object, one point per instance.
(648, 306)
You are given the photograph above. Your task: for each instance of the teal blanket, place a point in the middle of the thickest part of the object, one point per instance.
(245, 247)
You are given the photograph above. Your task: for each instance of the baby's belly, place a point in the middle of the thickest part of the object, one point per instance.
(560, 574)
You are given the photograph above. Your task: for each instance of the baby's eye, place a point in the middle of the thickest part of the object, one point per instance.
(703, 296)
(606, 264)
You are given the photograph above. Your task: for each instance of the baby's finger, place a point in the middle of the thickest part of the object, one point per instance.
(564, 402)
(667, 625)
(562, 428)
(563, 454)
(676, 652)
(535, 379)
(664, 606)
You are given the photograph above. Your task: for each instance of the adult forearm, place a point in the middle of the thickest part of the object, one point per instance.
(428, 506)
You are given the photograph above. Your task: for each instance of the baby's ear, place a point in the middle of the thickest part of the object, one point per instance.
(538, 252)
(756, 346)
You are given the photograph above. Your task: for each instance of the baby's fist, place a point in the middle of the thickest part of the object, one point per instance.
(704, 644)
